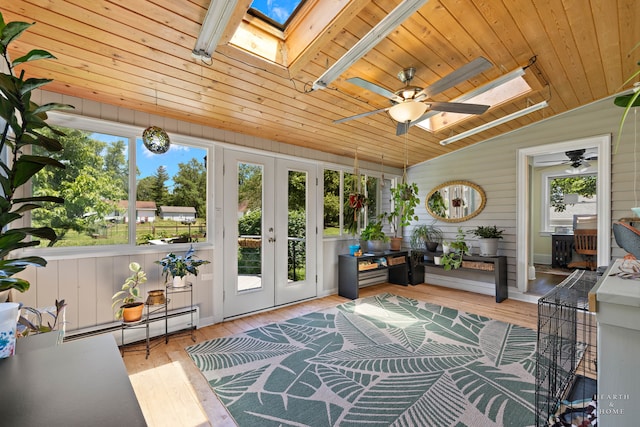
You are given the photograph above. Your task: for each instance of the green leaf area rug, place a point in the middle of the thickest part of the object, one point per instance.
(377, 361)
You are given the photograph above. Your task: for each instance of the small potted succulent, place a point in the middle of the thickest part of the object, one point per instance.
(178, 266)
(130, 309)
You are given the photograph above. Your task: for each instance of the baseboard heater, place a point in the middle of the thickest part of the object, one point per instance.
(177, 320)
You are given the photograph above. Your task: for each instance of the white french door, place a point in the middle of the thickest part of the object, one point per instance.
(269, 232)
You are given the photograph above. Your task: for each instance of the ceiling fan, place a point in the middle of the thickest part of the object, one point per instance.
(575, 158)
(411, 103)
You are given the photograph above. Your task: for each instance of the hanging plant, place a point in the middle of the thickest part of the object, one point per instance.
(357, 201)
(457, 202)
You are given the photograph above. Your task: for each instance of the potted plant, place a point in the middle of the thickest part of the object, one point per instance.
(178, 266)
(130, 309)
(375, 237)
(34, 321)
(426, 236)
(489, 236)
(21, 122)
(458, 248)
(404, 198)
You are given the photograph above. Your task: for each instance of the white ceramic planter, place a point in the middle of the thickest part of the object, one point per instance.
(180, 282)
(8, 323)
(437, 260)
(488, 247)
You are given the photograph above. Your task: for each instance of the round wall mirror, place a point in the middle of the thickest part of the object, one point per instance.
(455, 201)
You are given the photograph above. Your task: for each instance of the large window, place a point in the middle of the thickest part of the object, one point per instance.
(111, 200)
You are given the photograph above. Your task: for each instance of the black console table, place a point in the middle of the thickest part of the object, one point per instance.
(355, 272)
(477, 263)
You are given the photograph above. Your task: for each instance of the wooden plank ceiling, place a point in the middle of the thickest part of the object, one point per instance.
(137, 54)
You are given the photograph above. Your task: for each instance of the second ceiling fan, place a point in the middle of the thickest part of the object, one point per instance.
(412, 102)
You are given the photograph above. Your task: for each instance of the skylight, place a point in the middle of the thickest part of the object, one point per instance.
(276, 12)
(497, 95)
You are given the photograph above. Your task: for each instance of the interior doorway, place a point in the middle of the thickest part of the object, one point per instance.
(526, 204)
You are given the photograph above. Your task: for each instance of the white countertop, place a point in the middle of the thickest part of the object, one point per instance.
(616, 290)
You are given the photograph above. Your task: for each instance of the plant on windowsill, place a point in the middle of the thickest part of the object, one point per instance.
(130, 309)
(178, 266)
(21, 123)
(458, 248)
(405, 198)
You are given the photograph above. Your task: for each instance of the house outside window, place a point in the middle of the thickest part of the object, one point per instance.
(101, 182)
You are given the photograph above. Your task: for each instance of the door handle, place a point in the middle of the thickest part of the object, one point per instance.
(272, 239)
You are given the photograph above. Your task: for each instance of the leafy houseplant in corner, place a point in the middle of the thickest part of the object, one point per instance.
(375, 237)
(489, 236)
(426, 236)
(405, 199)
(21, 122)
(130, 309)
(458, 248)
(178, 266)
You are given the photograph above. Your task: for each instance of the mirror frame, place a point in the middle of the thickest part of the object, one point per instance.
(483, 200)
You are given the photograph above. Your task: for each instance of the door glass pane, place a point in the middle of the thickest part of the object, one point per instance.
(250, 193)
(297, 226)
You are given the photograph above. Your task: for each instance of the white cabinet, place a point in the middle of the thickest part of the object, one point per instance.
(618, 315)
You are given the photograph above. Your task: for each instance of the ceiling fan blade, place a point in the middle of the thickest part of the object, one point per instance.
(374, 88)
(458, 76)
(458, 107)
(357, 116)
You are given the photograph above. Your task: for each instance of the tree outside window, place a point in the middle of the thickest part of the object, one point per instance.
(170, 191)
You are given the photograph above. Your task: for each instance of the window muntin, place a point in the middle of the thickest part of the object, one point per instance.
(99, 189)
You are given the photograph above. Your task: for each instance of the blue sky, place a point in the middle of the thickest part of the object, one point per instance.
(149, 162)
(278, 10)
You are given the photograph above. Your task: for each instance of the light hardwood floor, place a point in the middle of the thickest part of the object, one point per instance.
(172, 392)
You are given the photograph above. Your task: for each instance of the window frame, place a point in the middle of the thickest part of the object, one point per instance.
(364, 219)
(545, 226)
(132, 133)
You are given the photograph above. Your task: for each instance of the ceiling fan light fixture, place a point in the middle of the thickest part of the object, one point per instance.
(407, 111)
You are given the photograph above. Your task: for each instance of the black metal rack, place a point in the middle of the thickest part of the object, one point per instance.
(566, 362)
